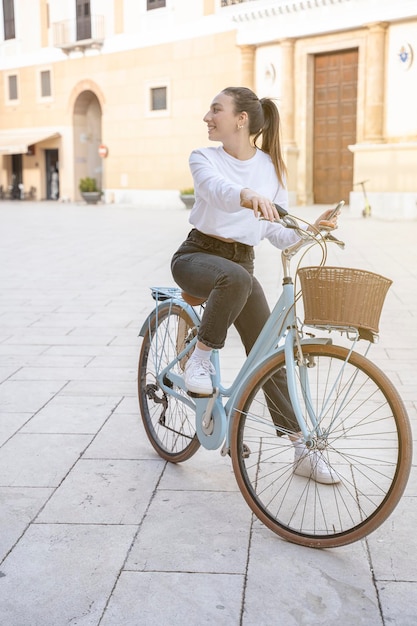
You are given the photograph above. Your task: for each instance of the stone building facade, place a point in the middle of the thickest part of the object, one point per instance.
(117, 89)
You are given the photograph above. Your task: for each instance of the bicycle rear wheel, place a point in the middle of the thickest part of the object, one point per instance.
(168, 421)
(363, 433)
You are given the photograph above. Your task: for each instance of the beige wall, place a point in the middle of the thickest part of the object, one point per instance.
(145, 151)
(150, 150)
(389, 164)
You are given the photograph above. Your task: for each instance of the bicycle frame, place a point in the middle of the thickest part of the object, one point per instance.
(280, 328)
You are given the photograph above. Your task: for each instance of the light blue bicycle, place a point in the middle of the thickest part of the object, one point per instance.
(347, 409)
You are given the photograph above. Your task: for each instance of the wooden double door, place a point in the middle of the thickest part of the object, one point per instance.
(335, 104)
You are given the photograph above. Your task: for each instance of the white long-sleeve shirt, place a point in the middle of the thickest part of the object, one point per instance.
(218, 180)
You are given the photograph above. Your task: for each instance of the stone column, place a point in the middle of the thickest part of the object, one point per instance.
(44, 23)
(209, 7)
(286, 110)
(248, 66)
(375, 82)
(286, 106)
(118, 11)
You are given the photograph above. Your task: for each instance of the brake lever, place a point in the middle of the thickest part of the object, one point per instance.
(281, 212)
(333, 239)
(289, 222)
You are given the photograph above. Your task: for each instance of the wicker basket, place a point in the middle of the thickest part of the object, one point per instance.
(343, 297)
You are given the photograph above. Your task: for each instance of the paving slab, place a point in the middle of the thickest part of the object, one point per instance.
(39, 460)
(393, 547)
(398, 602)
(19, 506)
(100, 388)
(72, 414)
(23, 396)
(11, 423)
(203, 531)
(162, 598)
(102, 491)
(307, 586)
(121, 437)
(62, 574)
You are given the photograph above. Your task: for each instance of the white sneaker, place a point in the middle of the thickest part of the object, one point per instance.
(312, 464)
(197, 376)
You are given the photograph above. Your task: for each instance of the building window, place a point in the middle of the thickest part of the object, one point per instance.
(8, 19)
(158, 99)
(155, 4)
(83, 19)
(45, 78)
(12, 80)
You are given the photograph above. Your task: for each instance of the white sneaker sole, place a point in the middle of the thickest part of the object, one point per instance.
(302, 467)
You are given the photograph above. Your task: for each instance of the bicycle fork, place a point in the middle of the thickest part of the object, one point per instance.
(298, 363)
(292, 362)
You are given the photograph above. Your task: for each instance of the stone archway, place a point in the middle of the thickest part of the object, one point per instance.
(87, 115)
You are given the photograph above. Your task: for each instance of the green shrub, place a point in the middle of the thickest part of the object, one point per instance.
(88, 184)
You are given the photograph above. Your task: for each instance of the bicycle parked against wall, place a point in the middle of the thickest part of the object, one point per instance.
(347, 409)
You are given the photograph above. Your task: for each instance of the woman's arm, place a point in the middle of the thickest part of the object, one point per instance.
(211, 186)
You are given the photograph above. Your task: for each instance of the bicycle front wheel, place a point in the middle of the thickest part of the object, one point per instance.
(169, 422)
(362, 431)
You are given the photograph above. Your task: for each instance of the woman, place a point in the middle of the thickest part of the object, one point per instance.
(216, 260)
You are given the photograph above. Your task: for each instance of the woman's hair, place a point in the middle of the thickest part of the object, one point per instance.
(263, 120)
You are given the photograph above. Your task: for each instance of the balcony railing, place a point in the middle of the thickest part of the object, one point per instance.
(79, 34)
(228, 3)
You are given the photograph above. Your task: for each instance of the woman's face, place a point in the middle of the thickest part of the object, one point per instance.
(222, 121)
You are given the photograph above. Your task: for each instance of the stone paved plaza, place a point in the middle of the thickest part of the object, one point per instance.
(95, 529)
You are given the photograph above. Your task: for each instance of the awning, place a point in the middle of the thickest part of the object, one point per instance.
(18, 140)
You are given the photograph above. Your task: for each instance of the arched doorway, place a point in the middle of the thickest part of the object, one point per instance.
(87, 138)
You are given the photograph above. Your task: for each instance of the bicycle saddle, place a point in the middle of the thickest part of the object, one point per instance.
(192, 300)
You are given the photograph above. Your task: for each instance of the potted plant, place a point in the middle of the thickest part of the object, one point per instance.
(89, 190)
(188, 197)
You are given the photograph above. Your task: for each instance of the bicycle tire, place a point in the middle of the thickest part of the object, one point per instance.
(366, 437)
(169, 423)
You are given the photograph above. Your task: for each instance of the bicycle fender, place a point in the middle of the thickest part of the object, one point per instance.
(186, 307)
(145, 325)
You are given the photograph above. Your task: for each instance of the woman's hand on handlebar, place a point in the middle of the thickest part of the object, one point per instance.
(259, 204)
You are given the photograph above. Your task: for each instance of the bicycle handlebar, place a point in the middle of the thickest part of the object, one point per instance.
(289, 221)
(316, 235)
